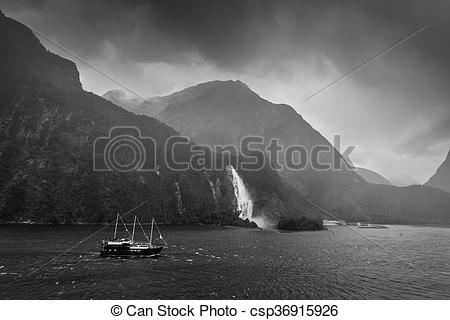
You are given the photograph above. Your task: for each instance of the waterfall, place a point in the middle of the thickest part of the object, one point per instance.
(215, 188)
(243, 199)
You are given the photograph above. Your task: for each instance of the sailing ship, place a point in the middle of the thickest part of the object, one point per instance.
(128, 247)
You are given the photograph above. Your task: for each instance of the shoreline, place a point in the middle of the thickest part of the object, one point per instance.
(5, 223)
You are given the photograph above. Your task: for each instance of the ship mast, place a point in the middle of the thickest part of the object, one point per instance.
(142, 228)
(115, 229)
(160, 235)
(151, 232)
(134, 227)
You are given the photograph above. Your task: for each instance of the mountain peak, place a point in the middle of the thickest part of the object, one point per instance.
(223, 86)
(115, 93)
(225, 83)
(224, 94)
(441, 179)
(448, 156)
(120, 98)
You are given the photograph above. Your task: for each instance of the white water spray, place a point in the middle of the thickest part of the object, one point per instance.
(243, 199)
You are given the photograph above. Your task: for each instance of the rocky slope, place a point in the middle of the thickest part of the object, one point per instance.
(222, 112)
(372, 176)
(48, 127)
(441, 179)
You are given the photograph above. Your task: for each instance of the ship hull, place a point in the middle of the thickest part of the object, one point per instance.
(129, 251)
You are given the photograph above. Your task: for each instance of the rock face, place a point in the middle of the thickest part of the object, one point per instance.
(48, 129)
(441, 179)
(222, 112)
(24, 59)
(372, 176)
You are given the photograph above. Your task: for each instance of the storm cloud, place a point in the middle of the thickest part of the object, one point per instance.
(395, 110)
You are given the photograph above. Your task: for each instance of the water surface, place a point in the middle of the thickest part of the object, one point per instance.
(204, 262)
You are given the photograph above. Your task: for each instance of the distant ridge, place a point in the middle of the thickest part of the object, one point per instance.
(372, 176)
(441, 179)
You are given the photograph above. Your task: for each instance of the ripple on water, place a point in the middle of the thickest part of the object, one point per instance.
(231, 263)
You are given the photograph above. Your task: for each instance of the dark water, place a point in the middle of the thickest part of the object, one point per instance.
(229, 263)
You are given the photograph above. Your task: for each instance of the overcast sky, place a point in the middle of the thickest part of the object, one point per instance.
(395, 110)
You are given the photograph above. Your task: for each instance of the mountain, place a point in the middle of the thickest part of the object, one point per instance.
(441, 179)
(150, 107)
(120, 98)
(223, 112)
(403, 205)
(371, 176)
(49, 130)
